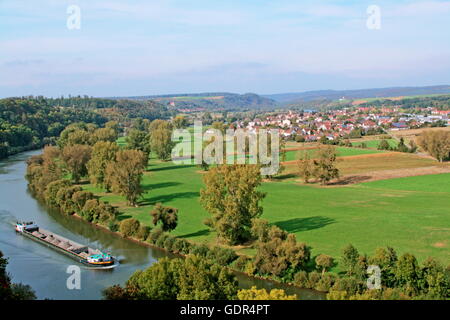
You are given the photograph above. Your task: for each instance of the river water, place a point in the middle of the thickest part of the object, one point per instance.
(45, 270)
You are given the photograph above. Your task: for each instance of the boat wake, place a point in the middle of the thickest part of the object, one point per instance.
(116, 263)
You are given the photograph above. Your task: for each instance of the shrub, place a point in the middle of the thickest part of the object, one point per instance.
(326, 282)
(161, 240)
(349, 285)
(79, 199)
(113, 226)
(143, 233)
(222, 256)
(260, 229)
(154, 235)
(241, 262)
(301, 279)
(181, 246)
(313, 279)
(169, 242)
(199, 250)
(250, 268)
(129, 227)
(89, 209)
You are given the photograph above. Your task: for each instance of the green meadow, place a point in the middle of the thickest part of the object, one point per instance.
(341, 152)
(374, 143)
(410, 214)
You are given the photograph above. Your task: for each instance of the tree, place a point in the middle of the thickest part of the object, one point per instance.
(262, 294)
(435, 282)
(325, 164)
(12, 291)
(384, 145)
(402, 147)
(103, 152)
(179, 122)
(305, 166)
(386, 259)
(231, 196)
(407, 273)
(436, 143)
(129, 227)
(349, 259)
(281, 255)
(76, 158)
(138, 140)
(43, 169)
(161, 139)
(104, 134)
(125, 174)
(324, 262)
(260, 229)
(167, 216)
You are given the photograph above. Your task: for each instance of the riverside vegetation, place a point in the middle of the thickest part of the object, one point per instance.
(232, 196)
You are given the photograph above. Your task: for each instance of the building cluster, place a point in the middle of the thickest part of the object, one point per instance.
(348, 122)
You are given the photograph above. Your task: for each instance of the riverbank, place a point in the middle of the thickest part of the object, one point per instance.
(49, 268)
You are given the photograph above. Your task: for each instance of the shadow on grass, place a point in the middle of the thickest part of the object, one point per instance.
(175, 167)
(350, 180)
(122, 216)
(285, 176)
(304, 224)
(169, 197)
(161, 185)
(203, 232)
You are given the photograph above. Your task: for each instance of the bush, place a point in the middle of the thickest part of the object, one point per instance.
(241, 263)
(349, 285)
(89, 210)
(313, 279)
(250, 268)
(199, 250)
(222, 256)
(301, 279)
(113, 226)
(181, 246)
(143, 233)
(161, 240)
(169, 242)
(154, 235)
(326, 282)
(129, 227)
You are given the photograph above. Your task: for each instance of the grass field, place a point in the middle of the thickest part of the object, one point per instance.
(410, 214)
(341, 152)
(374, 143)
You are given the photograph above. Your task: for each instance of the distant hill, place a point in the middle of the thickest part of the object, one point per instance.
(296, 97)
(212, 101)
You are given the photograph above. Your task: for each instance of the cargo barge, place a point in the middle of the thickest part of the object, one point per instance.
(83, 254)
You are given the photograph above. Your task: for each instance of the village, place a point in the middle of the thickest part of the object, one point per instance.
(310, 126)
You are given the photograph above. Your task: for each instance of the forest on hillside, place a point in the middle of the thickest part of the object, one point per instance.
(28, 123)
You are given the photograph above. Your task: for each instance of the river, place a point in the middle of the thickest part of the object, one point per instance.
(45, 270)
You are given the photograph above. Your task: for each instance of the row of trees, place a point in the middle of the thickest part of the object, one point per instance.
(85, 151)
(193, 278)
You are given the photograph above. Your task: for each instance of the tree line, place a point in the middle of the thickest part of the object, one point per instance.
(31, 122)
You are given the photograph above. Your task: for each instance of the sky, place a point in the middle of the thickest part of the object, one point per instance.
(149, 47)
